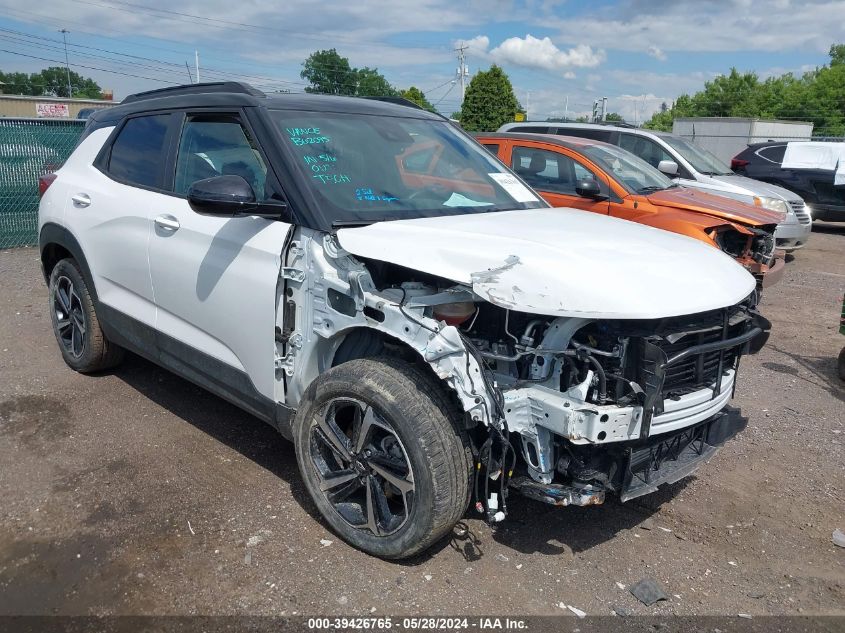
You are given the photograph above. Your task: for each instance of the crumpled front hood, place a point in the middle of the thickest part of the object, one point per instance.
(561, 262)
(743, 184)
(715, 205)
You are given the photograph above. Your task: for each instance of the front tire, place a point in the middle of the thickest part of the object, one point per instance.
(842, 364)
(83, 345)
(380, 447)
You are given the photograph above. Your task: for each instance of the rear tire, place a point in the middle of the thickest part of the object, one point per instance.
(81, 341)
(842, 364)
(381, 449)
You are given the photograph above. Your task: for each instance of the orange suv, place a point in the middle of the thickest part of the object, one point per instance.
(603, 178)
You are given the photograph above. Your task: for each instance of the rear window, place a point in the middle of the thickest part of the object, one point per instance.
(773, 153)
(137, 152)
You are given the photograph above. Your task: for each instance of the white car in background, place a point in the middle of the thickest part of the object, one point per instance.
(691, 166)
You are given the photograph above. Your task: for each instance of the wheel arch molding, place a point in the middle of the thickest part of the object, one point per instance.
(55, 243)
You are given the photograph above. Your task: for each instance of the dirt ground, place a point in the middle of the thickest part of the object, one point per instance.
(135, 492)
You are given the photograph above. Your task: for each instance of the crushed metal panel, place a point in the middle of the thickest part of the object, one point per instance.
(525, 261)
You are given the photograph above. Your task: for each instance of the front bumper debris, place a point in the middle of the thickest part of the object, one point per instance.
(640, 468)
(558, 494)
(665, 460)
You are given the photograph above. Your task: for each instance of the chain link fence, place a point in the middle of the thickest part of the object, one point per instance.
(28, 149)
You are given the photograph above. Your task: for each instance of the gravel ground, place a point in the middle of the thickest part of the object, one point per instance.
(135, 492)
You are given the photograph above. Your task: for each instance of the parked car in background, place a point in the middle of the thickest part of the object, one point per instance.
(763, 161)
(691, 166)
(594, 176)
(428, 332)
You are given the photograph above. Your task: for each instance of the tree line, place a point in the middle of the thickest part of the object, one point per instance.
(489, 101)
(818, 96)
(50, 82)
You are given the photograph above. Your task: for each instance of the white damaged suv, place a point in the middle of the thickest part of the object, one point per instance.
(366, 278)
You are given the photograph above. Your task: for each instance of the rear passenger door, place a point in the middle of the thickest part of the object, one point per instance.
(108, 211)
(215, 278)
(554, 174)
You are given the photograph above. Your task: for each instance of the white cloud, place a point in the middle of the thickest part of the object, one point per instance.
(657, 53)
(533, 52)
(569, 75)
(477, 45)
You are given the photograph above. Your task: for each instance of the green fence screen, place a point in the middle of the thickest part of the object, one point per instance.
(28, 149)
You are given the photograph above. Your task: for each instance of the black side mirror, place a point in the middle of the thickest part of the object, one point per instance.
(589, 188)
(230, 196)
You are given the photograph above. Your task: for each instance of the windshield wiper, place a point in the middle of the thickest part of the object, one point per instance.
(351, 224)
(651, 189)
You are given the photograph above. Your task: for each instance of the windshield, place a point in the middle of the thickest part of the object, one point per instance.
(701, 160)
(630, 171)
(364, 168)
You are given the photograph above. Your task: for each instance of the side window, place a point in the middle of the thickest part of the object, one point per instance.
(218, 145)
(136, 155)
(548, 171)
(534, 129)
(774, 153)
(645, 148)
(587, 132)
(493, 148)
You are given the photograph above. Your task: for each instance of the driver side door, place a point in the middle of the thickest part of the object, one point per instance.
(215, 278)
(554, 175)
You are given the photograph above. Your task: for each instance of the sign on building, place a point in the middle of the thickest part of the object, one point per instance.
(52, 110)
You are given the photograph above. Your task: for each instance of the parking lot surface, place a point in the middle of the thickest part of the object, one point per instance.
(135, 492)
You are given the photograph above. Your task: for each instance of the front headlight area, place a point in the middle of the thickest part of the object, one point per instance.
(772, 204)
(752, 246)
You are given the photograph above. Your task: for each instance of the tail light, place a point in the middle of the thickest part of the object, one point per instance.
(44, 183)
(738, 163)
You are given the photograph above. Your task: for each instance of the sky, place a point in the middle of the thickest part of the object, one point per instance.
(560, 55)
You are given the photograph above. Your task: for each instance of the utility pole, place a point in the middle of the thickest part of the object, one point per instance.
(566, 111)
(197, 63)
(64, 33)
(463, 71)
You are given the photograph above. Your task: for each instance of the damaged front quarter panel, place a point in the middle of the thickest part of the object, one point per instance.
(337, 296)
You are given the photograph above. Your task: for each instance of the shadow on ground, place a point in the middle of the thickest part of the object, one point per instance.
(823, 370)
(531, 527)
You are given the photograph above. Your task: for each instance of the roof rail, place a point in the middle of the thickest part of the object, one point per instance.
(398, 101)
(191, 89)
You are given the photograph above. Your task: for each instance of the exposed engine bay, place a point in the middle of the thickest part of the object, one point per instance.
(563, 409)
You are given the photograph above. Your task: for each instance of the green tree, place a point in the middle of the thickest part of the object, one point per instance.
(16, 83)
(837, 54)
(614, 116)
(329, 73)
(818, 97)
(371, 83)
(417, 96)
(52, 82)
(489, 102)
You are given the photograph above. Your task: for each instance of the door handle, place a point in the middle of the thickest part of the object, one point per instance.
(167, 223)
(81, 200)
